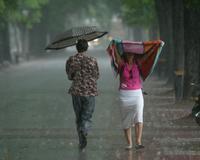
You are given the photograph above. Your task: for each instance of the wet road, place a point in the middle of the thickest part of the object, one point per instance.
(37, 121)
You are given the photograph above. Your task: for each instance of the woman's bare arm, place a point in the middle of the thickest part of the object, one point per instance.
(118, 58)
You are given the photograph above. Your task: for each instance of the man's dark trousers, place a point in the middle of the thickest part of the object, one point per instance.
(83, 108)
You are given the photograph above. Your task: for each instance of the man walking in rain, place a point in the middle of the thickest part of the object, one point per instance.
(83, 71)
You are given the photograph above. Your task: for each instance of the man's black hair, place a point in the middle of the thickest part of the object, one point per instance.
(82, 45)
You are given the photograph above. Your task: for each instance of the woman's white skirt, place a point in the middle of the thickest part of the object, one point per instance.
(131, 106)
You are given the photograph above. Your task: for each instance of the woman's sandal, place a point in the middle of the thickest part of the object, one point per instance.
(128, 147)
(139, 146)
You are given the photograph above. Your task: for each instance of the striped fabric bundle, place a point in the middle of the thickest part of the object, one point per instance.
(147, 54)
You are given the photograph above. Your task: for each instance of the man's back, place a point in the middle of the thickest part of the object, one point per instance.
(83, 71)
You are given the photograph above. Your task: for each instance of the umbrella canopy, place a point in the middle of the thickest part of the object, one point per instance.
(70, 37)
(147, 54)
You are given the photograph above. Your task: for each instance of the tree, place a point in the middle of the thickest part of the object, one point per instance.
(56, 17)
(61, 15)
(102, 11)
(6, 6)
(165, 14)
(178, 43)
(140, 14)
(192, 47)
(28, 14)
(179, 28)
(18, 15)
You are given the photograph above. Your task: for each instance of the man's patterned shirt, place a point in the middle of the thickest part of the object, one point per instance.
(83, 70)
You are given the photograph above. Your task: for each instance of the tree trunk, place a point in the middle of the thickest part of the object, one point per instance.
(4, 42)
(39, 34)
(18, 39)
(38, 39)
(1, 47)
(192, 49)
(26, 43)
(24, 35)
(178, 39)
(164, 14)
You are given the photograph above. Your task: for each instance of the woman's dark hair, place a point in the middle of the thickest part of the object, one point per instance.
(124, 56)
(82, 45)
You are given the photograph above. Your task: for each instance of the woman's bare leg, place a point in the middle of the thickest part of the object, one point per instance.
(138, 133)
(128, 136)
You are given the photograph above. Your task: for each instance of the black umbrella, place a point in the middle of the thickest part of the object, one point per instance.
(70, 37)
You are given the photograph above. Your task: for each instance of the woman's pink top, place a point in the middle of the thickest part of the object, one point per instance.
(129, 77)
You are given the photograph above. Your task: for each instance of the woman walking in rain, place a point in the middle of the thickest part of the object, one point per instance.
(130, 92)
(131, 99)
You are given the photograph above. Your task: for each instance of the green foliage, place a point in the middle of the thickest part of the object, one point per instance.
(100, 12)
(6, 6)
(138, 12)
(57, 12)
(192, 4)
(29, 12)
(64, 14)
(2, 6)
(103, 10)
(33, 4)
(26, 12)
